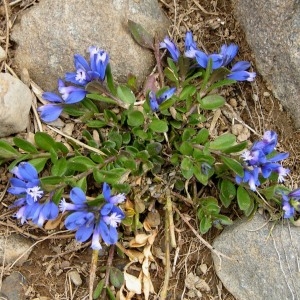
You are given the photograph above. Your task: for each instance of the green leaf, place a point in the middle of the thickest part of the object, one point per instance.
(115, 137)
(101, 98)
(187, 168)
(168, 103)
(205, 224)
(80, 163)
(116, 277)
(211, 102)
(82, 183)
(221, 83)
(39, 163)
(210, 205)
(228, 192)
(126, 94)
(110, 177)
(233, 165)
(158, 125)
(90, 105)
(224, 220)
(187, 91)
(243, 199)
(98, 289)
(201, 176)
(140, 35)
(96, 124)
(186, 148)
(51, 180)
(57, 195)
(110, 80)
(25, 145)
(44, 141)
(135, 118)
(154, 148)
(202, 136)
(7, 151)
(188, 133)
(236, 148)
(60, 167)
(223, 142)
(207, 74)
(171, 75)
(110, 294)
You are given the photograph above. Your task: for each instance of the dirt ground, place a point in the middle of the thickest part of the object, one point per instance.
(46, 271)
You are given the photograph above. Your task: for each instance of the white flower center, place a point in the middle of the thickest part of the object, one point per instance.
(35, 193)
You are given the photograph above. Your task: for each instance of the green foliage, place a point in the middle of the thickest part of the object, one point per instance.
(124, 141)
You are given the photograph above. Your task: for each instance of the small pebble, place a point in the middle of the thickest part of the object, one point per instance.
(237, 129)
(233, 102)
(75, 277)
(266, 94)
(255, 97)
(68, 129)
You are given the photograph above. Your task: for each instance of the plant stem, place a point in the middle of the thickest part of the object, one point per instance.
(158, 62)
(93, 273)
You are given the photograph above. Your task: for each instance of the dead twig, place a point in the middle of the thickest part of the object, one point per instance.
(164, 291)
(93, 273)
(207, 244)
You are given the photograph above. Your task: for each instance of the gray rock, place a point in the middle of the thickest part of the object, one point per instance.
(272, 29)
(265, 263)
(13, 287)
(15, 103)
(59, 29)
(12, 247)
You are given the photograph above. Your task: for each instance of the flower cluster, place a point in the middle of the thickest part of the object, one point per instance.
(290, 203)
(91, 220)
(84, 74)
(26, 185)
(227, 53)
(262, 160)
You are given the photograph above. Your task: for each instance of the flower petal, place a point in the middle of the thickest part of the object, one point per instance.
(77, 195)
(50, 112)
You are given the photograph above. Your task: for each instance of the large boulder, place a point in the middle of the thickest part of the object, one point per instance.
(264, 263)
(15, 104)
(52, 31)
(272, 29)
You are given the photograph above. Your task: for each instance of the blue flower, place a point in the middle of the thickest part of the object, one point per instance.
(98, 222)
(171, 47)
(27, 183)
(239, 73)
(290, 202)
(156, 101)
(69, 95)
(202, 59)
(228, 53)
(262, 160)
(250, 177)
(222, 59)
(82, 76)
(27, 187)
(99, 61)
(190, 47)
(86, 72)
(111, 198)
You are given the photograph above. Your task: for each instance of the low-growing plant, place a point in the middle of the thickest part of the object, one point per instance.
(160, 135)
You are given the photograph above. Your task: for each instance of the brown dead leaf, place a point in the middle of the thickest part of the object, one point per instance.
(137, 254)
(133, 283)
(153, 218)
(53, 224)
